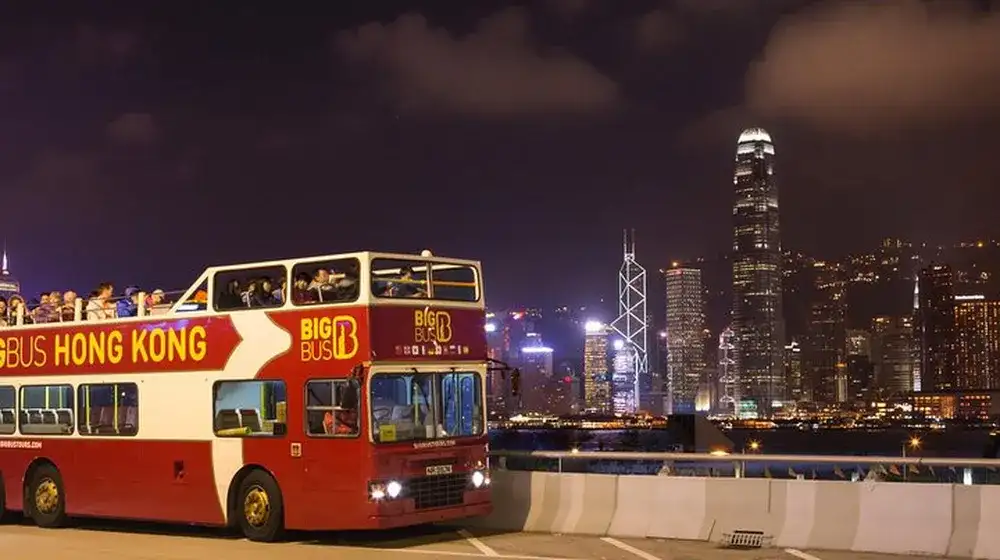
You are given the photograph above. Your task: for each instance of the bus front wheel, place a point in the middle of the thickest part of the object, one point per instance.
(260, 508)
(47, 497)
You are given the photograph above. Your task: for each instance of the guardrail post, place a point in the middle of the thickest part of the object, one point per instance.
(19, 314)
(77, 309)
(142, 305)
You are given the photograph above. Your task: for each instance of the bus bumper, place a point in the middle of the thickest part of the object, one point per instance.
(410, 518)
(403, 513)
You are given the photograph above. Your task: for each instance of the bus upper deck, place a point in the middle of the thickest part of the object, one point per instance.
(349, 279)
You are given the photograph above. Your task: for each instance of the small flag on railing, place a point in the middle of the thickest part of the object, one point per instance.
(838, 473)
(894, 470)
(914, 469)
(767, 472)
(792, 473)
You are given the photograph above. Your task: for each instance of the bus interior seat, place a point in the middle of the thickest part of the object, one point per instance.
(227, 419)
(250, 418)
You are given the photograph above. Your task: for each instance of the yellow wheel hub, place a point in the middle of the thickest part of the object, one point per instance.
(47, 496)
(257, 507)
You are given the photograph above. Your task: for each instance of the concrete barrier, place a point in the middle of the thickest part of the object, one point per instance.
(884, 517)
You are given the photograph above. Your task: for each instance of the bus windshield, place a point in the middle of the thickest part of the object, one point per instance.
(426, 406)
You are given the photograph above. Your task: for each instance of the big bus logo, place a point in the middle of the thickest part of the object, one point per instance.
(328, 338)
(431, 326)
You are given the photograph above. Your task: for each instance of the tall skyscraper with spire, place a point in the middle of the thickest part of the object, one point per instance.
(631, 380)
(8, 284)
(757, 322)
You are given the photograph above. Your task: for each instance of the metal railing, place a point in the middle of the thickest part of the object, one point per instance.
(756, 465)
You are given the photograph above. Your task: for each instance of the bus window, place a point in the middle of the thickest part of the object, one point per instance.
(250, 288)
(332, 408)
(423, 406)
(454, 282)
(197, 302)
(46, 410)
(110, 409)
(250, 408)
(319, 282)
(8, 410)
(460, 397)
(392, 278)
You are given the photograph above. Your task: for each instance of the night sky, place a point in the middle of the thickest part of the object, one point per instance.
(142, 144)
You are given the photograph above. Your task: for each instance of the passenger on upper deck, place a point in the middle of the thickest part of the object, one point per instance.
(321, 286)
(279, 293)
(13, 304)
(67, 311)
(99, 307)
(47, 310)
(347, 286)
(128, 306)
(300, 290)
(231, 297)
(258, 294)
(406, 286)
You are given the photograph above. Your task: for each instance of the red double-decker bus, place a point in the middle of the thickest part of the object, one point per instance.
(337, 392)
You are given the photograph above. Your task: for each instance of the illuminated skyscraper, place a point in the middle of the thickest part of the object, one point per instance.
(892, 344)
(685, 339)
(631, 325)
(935, 322)
(596, 378)
(823, 351)
(536, 377)
(8, 284)
(757, 320)
(977, 343)
(623, 393)
(729, 380)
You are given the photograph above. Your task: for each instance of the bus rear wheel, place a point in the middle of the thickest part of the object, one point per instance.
(260, 508)
(47, 497)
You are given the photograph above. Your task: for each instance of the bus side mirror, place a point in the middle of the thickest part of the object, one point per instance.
(358, 374)
(515, 383)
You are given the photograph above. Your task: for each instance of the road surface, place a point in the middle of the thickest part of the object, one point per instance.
(106, 540)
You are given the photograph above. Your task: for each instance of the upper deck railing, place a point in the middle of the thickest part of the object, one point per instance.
(361, 278)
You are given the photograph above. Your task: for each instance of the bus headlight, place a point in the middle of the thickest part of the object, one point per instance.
(479, 479)
(379, 491)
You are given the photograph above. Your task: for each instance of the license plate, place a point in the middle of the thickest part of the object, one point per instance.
(438, 469)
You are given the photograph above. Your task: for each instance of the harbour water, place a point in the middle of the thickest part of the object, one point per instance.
(936, 443)
(952, 443)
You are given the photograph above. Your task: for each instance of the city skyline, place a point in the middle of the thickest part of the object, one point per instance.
(594, 119)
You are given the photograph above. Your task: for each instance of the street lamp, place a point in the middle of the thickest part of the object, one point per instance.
(913, 443)
(753, 445)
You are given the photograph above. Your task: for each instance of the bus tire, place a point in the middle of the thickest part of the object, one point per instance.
(260, 508)
(46, 497)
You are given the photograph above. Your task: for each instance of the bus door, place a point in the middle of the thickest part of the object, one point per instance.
(333, 449)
